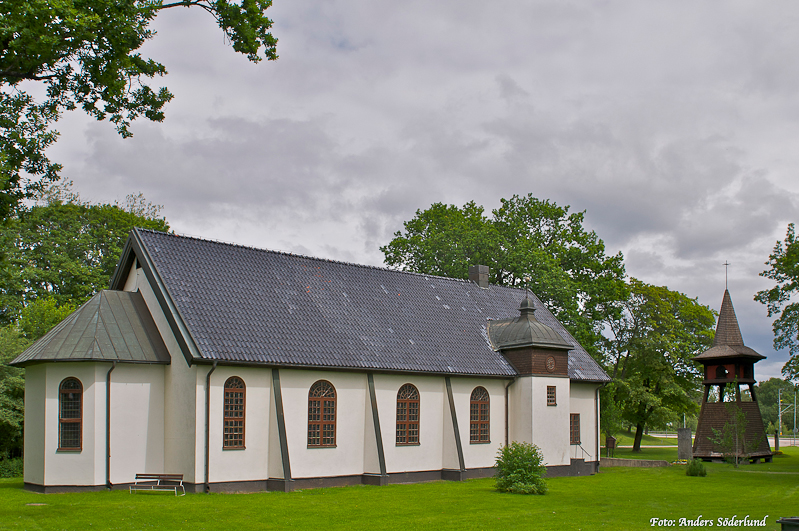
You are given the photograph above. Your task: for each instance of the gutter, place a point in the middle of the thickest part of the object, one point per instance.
(207, 425)
(108, 425)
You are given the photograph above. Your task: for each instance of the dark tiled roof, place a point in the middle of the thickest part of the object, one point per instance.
(246, 305)
(728, 341)
(111, 326)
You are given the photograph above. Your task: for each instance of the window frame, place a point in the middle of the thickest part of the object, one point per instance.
(62, 420)
(574, 428)
(479, 427)
(318, 407)
(552, 395)
(229, 441)
(408, 400)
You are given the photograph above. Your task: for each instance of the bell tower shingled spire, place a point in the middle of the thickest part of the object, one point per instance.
(727, 330)
(729, 367)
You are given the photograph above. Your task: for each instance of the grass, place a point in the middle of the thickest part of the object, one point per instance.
(627, 439)
(664, 454)
(617, 498)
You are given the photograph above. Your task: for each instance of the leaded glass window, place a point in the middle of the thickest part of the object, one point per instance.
(233, 417)
(552, 397)
(70, 414)
(480, 416)
(574, 428)
(407, 415)
(322, 414)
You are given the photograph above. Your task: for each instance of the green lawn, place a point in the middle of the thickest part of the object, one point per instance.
(617, 498)
(626, 439)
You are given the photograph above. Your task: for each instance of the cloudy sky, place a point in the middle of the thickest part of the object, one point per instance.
(672, 124)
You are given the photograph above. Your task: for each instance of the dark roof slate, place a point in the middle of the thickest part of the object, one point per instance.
(111, 326)
(247, 305)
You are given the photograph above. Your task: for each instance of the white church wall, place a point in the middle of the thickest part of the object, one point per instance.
(137, 421)
(250, 462)
(480, 455)
(73, 467)
(520, 417)
(429, 453)
(551, 423)
(583, 402)
(181, 438)
(347, 457)
(34, 436)
(371, 459)
(275, 458)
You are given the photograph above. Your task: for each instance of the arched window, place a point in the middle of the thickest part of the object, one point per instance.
(479, 416)
(70, 414)
(407, 415)
(322, 414)
(235, 400)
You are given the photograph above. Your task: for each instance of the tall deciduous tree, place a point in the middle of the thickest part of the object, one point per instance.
(35, 320)
(768, 396)
(784, 270)
(525, 237)
(84, 53)
(655, 339)
(65, 249)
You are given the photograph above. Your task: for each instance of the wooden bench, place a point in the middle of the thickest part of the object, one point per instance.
(159, 482)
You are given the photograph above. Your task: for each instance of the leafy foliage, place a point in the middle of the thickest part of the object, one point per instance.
(655, 339)
(784, 269)
(520, 469)
(767, 399)
(696, 468)
(85, 54)
(526, 237)
(12, 392)
(11, 467)
(65, 250)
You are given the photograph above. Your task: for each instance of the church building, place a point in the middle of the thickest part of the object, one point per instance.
(246, 369)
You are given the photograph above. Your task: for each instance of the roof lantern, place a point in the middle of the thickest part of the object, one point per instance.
(525, 331)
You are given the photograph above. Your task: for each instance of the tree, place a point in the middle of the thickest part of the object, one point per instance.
(784, 269)
(768, 393)
(35, 320)
(84, 53)
(65, 249)
(524, 238)
(654, 341)
(12, 392)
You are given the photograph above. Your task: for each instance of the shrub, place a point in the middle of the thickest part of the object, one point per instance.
(11, 468)
(520, 469)
(696, 468)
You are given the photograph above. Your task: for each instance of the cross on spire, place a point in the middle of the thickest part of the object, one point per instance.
(726, 267)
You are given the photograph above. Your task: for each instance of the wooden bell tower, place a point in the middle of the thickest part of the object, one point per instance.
(729, 381)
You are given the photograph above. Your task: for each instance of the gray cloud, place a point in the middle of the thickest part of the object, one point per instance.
(671, 124)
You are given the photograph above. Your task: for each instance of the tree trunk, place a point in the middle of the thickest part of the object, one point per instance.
(639, 434)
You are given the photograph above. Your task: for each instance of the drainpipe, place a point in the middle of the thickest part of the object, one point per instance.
(506, 409)
(207, 424)
(108, 425)
(598, 444)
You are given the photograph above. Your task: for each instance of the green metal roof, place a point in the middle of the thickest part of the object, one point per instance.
(111, 326)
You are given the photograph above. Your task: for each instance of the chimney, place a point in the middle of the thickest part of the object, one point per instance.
(479, 275)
